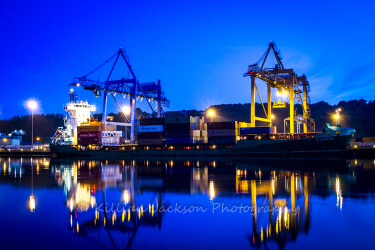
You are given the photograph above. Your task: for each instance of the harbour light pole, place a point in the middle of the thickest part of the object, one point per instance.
(126, 111)
(337, 116)
(32, 106)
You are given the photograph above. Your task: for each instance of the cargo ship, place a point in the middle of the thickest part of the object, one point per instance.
(195, 136)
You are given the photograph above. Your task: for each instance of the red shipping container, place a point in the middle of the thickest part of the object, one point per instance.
(89, 141)
(89, 135)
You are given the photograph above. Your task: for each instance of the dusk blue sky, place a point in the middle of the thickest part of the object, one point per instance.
(198, 49)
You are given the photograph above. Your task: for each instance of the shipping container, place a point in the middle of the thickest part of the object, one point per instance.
(87, 128)
(112, 133)
(152, 121)
(177, 127)
(175, 141)
(106, 141)
(258, 130)
(89, 141)
(150, 128)
(177, 134)
(195, 133)
(150, 135)
(204, 133)
(180, 119)
(244, 125)
(221, 132)
(109, 127)
(368, 139)
(146, 142)
(222, 140)
(221, 125)
(203, 119)
(195, 126)
(89, 135)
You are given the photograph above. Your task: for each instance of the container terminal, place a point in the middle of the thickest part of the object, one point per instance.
(189, 135)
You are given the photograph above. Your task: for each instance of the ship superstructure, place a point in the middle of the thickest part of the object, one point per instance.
(78, 112)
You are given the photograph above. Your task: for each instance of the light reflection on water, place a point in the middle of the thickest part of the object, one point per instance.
(186, 203)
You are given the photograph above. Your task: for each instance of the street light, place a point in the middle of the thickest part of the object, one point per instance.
(211, 113)
(32, 106)
(126, 111)
(337, 116)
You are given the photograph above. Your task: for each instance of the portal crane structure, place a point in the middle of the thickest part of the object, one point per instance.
(130, 87)
(287, 82)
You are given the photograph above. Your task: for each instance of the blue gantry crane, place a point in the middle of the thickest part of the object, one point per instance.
(130, 87)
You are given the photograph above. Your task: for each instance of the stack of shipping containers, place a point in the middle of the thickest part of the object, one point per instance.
(98, 134)
(198, 130)
(150, 131)
(177, 130)
(222, 132)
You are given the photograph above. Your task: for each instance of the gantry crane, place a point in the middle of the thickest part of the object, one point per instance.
(287, 82)
(130, 87)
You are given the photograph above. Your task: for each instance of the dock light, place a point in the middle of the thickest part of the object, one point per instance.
(272, 116)
(211, 113)
(126, 110)
(38, 138)
(5, 140)
(337, 116)
(32, 105)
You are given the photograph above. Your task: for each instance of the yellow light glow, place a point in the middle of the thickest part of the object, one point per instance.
(113, 218)
(126, 197)
(32, 203)
(38, 138)
(123, 215)
(212, 190)
(92, 201)
(126, 110)
(5, 140)
(77, 228)
(272, 116)
(336, 116)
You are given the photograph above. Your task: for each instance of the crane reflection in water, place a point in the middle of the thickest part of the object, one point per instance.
(119, 197)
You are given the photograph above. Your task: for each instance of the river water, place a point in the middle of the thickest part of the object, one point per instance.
(186, 203)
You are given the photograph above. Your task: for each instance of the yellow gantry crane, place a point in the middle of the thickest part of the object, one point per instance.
(288, 84)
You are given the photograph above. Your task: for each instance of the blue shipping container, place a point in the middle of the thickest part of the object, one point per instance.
(150, 128)
(256, 131)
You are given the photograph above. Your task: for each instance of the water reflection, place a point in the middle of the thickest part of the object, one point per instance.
(115, 197)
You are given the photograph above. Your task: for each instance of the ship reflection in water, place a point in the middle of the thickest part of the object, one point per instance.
(186, 203)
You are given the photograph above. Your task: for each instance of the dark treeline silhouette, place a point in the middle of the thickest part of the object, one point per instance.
(44, 126)
(358, 114)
